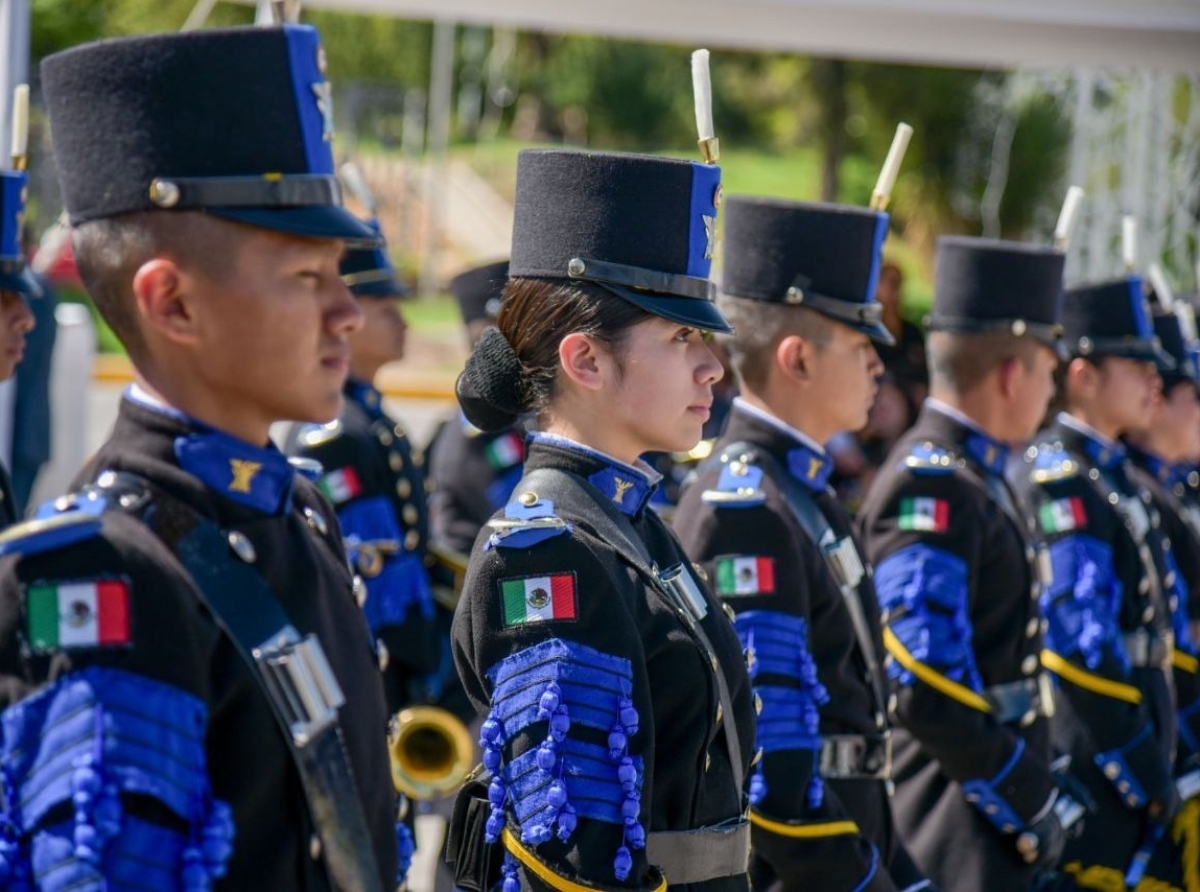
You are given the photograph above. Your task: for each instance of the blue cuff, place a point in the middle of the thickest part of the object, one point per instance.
(984, 796)
(1114, 766)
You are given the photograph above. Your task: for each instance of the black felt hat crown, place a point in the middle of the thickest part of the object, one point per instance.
(641, 227)
(479, 291)
(1112, 318)
(1179, 343)
(368, 271)
(824, 256)
(985, 285)
(237, 122)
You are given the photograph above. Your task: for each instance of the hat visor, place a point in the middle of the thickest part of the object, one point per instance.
(317, 221)
(693, 311)
(22, 282)
(1142, 351)
(387, 288)
(876, 331)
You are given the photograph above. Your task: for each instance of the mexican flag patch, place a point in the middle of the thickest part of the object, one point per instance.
(506, 451)
(1062, 514)
(63, 616)
(340, 485)
(745, 574)
(925, 514)
(539, 599)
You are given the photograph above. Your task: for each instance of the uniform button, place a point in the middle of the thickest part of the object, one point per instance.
(395, 461)
(1174, 603)
(386, 438)
(1123, 786)
(359, 588)
(410, 514)
(242, 546)
(972, 797)
(1166, 540)
(758, 704)
(1144, 586)
(528, 499)
(411, 540)
(1029, 664)
(880, 721)
(316, 521)
(403, 488)
(707, 761)
(1028, 718)
(1112, 770)
(893, 703)
(1147, 614)
(1169, 579)
(1032, 627)
(729, 614)
(418, 460)
(1093, 474)
(1113, 498)
(720, 713)
(1030, 554)
(382, 654)
(1155, 520)
(991, 808)
(314, 847)
(428, 487)
(1045, 626)
(399, 432)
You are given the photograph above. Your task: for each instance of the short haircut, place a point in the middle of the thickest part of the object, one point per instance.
(960, 361)
(108, 253)
(760, 326)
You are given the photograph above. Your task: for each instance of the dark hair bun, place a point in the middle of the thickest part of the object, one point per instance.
(490, 388)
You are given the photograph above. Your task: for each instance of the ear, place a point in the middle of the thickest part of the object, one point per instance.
(1081, 376)
(162, 290)
(583, 361)
(1006, 376)
(793, 358)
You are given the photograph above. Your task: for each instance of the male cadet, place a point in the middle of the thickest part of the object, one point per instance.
(1109, 640)
(957, 577)
(17, 285)
(799, 289)
(472, 472)
(188, 691)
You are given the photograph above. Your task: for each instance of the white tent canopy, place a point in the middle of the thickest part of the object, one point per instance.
(1159, 34)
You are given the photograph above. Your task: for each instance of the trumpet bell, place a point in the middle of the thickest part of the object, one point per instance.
(431, 752)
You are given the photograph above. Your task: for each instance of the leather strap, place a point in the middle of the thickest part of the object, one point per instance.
(696, 856)
(282, 664)
(576, 496)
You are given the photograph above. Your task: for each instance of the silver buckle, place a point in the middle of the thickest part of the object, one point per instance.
(683, 589)
(843, 756)
(302, 683)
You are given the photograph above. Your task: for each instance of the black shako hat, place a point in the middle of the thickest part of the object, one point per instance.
(1112, 318)
(986, 285)
(642, 227)
(368, 271)
(237, 122)
(823, 256)
(14, 274)
(479, 291)
(1179, 342)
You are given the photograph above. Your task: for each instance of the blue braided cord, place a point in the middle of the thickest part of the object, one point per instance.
(143, 856)
(985, 795)
(789, 720)
(1134, 793)
(590, 683)
(927, 591)
(591, 779)
(780, 644)
(874, 868)
(153, 740)
(1083, 601)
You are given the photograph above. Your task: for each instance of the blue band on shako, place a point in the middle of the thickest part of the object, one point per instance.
(881, 231)
(1141, 307)
(702, 234)
(88, 741)
(313, 98)
(12, 213)
(563, 683)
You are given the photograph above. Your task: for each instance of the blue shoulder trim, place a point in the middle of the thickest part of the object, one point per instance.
(1083, 600)
(739, 486)
(524, 526)
(56, 524)
(564, 683)
(924, 591)
(985, 795)
(87, 742)
(926, 459)
(397, 580)
(1114, 766)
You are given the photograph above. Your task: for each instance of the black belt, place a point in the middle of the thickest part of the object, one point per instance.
(856, 756)
(1149, 649)
(696, 856)
(1024, 700)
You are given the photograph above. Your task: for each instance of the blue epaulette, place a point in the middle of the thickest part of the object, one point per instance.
(739, 486)
(56, 524)
(926, 460)
(1051, 462)
(527, 521)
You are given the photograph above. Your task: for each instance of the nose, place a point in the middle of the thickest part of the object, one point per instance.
(874, 363)
(344, 315)
(26, 321)
(710, 370)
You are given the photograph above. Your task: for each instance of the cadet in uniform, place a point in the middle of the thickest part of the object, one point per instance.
(619, 722)
(473, 472)
(17, 286)
(374, 478)
(762, 521)
(1109, 639)
(189, 693)
(957, 577)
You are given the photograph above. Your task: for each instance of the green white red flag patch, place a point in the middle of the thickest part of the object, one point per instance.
(745, 574)
(63, 616)
(539, 599)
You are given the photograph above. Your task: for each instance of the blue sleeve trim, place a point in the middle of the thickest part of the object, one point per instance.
(563, 683)
(871, 871)
(1114, 766)
(925, 590)
(91, 739)
(778, 645)
(370, 518)
(402, 584)
(984, 796)
(1083, 601)
(789, 720)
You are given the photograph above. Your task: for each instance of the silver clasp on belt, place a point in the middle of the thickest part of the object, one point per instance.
(301, 682)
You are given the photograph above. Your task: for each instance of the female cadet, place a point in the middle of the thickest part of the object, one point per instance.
(619, 723)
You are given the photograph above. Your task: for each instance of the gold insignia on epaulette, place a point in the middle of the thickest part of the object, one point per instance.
(319, 434)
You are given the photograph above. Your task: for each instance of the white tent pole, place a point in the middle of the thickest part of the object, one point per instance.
(14, 61)
(441, 83)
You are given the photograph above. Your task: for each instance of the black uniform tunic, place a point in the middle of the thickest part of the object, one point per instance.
(8, 504)
(174, 719)
(956, 577)
(585, 673)
(1108, 638)
(847, 840)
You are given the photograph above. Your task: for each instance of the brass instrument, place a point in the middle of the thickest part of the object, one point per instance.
(431, 752)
